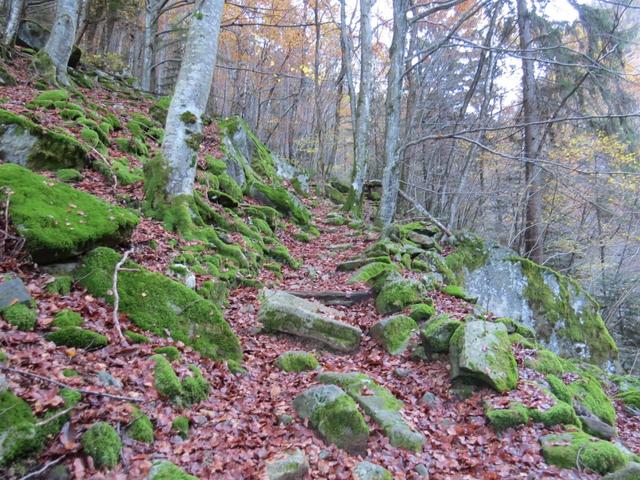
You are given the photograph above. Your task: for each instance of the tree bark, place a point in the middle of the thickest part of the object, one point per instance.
(15, 12)
(390, 175)
(150, 30)
(184, 124)
(533, 241)
(363, 108)
(53, 59)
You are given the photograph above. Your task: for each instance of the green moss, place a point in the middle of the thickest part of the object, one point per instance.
(69, 372)
(297, 361)
(77, 337)
(339, 422)
(548, 362)
(159, 304)
(69, 175)
(166, 470)
(126, 174)
(458, 292)
(188, 118)
(587, 392)
(18, 434)
(140, 428)
(159, 110)
(397, 293)
(517, 327)
(20, 316)
(58, 221)
(171, 352)
(165, 379)
(502, 419)
(47, 99)
(394, 332)
(557, 315)
(229, 186)
(181, 426)
(437, 333)
(215, 165)
(135, 337)
(90, 137)
(561, 413)
(373, 271)
(282, 200)
(282, 255)
(67, 318)
(469, 255)
(421, 312)
(102, 443)
(577, 449)
(195, 388)
(631, 397)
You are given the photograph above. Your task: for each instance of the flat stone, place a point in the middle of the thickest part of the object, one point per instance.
(370, 471)
(286, 313)
(481, 351)
(13, 291)
(630, 472)
(593, 425)
(422, 240)
(108, 380)
(293, 465)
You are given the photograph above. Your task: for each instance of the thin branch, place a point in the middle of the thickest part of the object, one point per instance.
(116, 295)
(54, 417)
(44, 468)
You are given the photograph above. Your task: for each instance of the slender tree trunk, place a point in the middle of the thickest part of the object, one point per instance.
(390, 175)
(51, 62)
(345, 48)
(15, 13)
(363, 108)
(184, 124)
(533, 242)
(150, 30)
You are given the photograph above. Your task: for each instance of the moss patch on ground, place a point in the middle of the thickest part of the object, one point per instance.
(102, 443)
(140, 428)
(297, 361)
(77, 337)
(20, 316)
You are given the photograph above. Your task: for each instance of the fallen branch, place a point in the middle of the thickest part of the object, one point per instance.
(116, 296)
(425, 212)
(53, 417)
(63, 385)
(44, 468)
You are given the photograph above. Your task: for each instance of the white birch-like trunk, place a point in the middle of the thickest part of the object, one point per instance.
(363, 108)
(10, 32)
(184, 124)
(391, 175)
(150, 29)
(63, 33)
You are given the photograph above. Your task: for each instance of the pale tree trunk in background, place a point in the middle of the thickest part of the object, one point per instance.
(345, 48)
(184, 124)
(363, 108)
(533, 175)
(150, 30)
(15, 12)
(391, 174)
(52, 60)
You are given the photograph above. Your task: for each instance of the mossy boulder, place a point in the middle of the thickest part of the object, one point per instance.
(459, 292)
(69, 175)
(380, 404)
(481, 351)
(576, 449)
(394, 332)
(34, 36)
(421, 312)
(181, 426)
(102, 443)
(286, 313)
(282, 200)
(335, 415)
(77, 337)
(156, 303)
(59, 222)
(586, 395)
(292, 465)
(165, 380)
(171, 352)
(437, 333)
(21, 316)
(370, 471)
(166, 470)
(140, 427)
(67, 318)
(297, 361)
(26, 143)
(18, 432)
(396, 293)
(504, 418)
(193, 388)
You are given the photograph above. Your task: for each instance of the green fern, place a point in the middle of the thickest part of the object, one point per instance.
(372, 271)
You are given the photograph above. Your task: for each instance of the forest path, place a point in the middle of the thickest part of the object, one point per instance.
(243, 429)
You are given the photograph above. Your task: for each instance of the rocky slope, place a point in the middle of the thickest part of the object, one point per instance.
(275, 338)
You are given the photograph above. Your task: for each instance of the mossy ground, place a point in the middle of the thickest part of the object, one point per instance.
(77, 337)
(140, 428)
(103, 444)
(67, 318)
(20, 316)
(294, 361)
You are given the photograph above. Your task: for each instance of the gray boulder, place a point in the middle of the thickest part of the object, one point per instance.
(370, 471)
(293, 465)
(394, 333)
(286, 313)
(33, 35)
(13, 290)
(630, 472)
(481, 351)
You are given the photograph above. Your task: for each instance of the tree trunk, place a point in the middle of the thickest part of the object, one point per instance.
(51, 62)
(363, 108)
(15, 12)
(150, 30)
(390, 175)
(533, 242)
(184, 124)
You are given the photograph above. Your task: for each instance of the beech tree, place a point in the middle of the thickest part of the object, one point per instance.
(13, 22)
(51, 62)
(183, 129)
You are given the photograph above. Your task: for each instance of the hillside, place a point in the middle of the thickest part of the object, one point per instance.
(413, 366)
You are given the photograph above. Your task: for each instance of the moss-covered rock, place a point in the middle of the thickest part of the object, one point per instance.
(171, 352)
(394, 332)
(58, 221)
(195, 388)
(166, 470)
(67, 318)
(297, 361)
(102, 443)
(380, 404)
(547, 362)
(421, 312)
(159, 110)
(587, 395)
(135, 337)
(282, 200)
(18, 432)
(159, 304)
(165, 380)
(335, 415)
(292, 465)
(372, 271)
(481, 351)
(20, 316)
(579, 450)
(396, 293)
(437, 333)
(69, 175)
(61, 285)
(140, 428)
(370, 471)
(77, 337)
(504, 418)
(458, 292)
(181, 426)
(286, 313)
